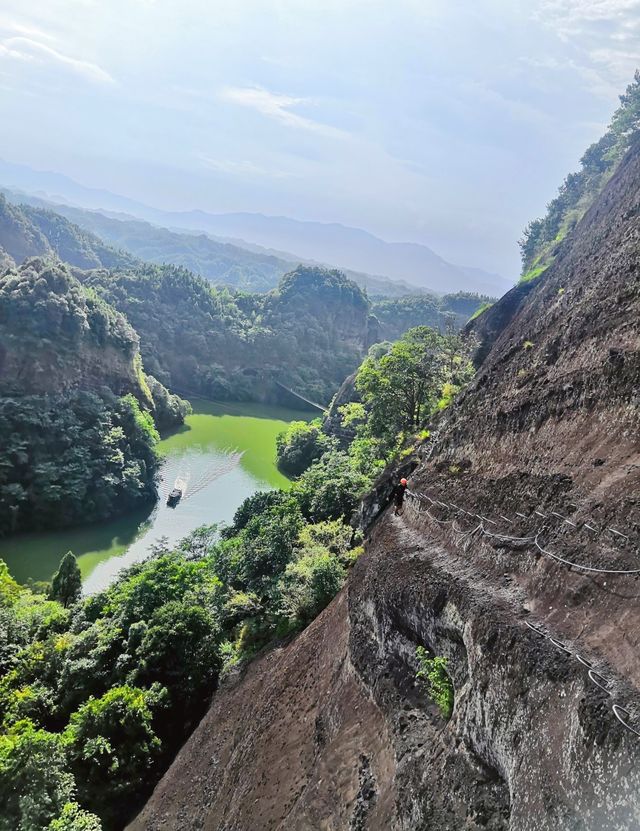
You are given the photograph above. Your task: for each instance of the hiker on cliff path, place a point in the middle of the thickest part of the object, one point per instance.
(398, 497)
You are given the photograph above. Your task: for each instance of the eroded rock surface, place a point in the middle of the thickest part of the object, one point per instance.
(331, 731)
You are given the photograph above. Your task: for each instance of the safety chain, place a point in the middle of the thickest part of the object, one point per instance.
(620, 712)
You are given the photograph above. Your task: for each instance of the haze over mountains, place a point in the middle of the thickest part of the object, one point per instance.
(329, 243)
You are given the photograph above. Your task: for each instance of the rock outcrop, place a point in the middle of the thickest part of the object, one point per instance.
(539, 458)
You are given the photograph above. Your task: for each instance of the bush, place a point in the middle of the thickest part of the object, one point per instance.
(111, 740)
(331, 488)
(432, 673)
(309, 584)
(74, 818)
(300, 445)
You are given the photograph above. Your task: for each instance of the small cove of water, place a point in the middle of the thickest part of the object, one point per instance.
(224, 452)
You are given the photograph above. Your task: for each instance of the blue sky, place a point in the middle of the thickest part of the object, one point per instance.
(450, 124)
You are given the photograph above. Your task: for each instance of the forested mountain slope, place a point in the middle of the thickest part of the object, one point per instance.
(332, 244)
(542, 453)
(309, 333)
(77, 427)
(37, 232)
(220, 261)
(543, 237)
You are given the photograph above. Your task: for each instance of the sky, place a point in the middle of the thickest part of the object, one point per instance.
(446, 123)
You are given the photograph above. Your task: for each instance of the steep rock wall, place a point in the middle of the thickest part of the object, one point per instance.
(541, 454)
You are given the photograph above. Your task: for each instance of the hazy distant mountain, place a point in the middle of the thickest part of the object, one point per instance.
(347, 248)
(338, 245)
(82, 243)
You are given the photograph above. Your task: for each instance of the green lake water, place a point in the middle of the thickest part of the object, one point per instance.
(224, 453)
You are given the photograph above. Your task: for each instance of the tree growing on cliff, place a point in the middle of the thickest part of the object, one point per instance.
(66, 586)
(401, 388)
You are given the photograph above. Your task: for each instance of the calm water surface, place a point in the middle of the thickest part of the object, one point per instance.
(224, 453)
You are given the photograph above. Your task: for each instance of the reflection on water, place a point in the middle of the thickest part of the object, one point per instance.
(224, 453)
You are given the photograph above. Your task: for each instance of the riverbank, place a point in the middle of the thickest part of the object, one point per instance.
(224, 452)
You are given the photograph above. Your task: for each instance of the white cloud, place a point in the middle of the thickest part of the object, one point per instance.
(278, 107)
(243, 167)
(604, 34)
(28, 49)
(575, 12)
(8, 24)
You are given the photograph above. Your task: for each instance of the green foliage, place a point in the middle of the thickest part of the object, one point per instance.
(111, 740)
(309, 584)
(74, 818)
(169, 410)
(301, 444)
(71, 457)
(352, 414)
(432, 672)
(397, 315)
(331, 488)
(66, 585)
(42, 301)
(541, 237)
(35, 783)
(179, 649)
(401, 389)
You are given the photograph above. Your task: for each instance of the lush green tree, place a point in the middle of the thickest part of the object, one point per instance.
(66, 585)
(35, 782)
(301, 444)
(331, 488)
(179, 648)
(401, 388)
(112, 748)
(309, 584)
(170, 410)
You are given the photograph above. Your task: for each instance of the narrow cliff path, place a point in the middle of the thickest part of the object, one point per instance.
(564, 602)
(332, 732)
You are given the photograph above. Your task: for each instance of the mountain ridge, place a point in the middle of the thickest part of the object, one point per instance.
(355, 249)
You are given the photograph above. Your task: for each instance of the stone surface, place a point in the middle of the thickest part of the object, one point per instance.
(331, 731)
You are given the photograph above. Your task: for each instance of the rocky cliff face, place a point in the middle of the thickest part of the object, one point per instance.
(510, 562)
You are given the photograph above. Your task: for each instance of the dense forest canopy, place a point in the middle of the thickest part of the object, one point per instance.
(36, 232)
(310, 332)
(398, 315)
(43, 300)
(542, 237)
(77, 430)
